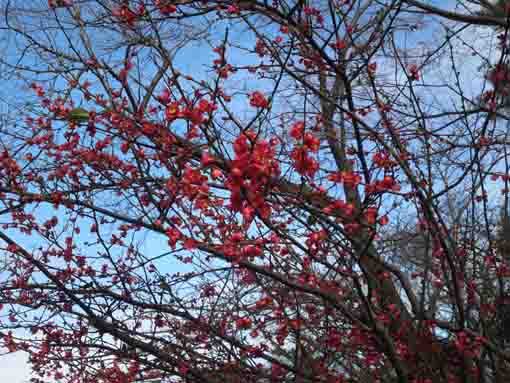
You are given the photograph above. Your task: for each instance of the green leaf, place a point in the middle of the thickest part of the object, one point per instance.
(163, 284)
(78, 115)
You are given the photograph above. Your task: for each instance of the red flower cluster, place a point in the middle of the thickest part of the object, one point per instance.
(258, 100)
(348, 178)
(383, 160)
(386, 184)
(166, 7)
(59, 3)
(413, 72)
(252, 169)
(303, 162)
(125, 15)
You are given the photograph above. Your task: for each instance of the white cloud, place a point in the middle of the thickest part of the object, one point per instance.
(14, 368)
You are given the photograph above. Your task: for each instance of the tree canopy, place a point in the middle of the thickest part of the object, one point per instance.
(257, 191)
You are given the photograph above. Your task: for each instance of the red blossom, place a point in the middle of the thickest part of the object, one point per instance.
(258, 100)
